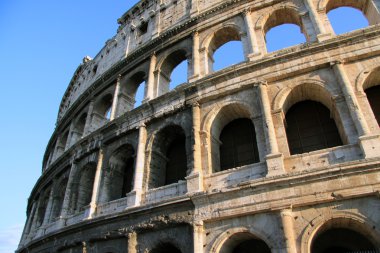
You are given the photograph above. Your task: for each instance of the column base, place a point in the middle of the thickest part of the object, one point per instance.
(370, 145)
(323, 36)
(254, 56)
(193, 78)
(275, 164)
(194, 183)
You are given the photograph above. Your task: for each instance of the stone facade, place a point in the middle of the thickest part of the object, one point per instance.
(109, 183)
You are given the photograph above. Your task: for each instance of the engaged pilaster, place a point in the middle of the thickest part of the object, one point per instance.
(140, 165)
(368, 142)
(274, 159)
(255, 52)
(288, 226)
(115, 101)
(96, 188)
(195, 179)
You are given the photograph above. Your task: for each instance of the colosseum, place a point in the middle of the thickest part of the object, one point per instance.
(279, 153)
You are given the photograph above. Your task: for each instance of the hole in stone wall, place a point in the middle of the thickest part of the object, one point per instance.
(347, 19)
(179, 75)
(238, 144)
(309, 127)
(341, 240)
(373, 95)
(227, 55)
(284, 36)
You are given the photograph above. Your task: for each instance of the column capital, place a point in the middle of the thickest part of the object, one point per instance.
(336, 62)
(195, 104)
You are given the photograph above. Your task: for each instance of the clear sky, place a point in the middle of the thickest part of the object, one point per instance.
(42, 42)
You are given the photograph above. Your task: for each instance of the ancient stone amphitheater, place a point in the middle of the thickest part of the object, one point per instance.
(279, 153)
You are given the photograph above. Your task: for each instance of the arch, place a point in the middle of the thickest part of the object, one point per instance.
(58, 197)
(310, 128)
(280, 16)
(238, 144)
(166, 66)
(236, 239)
(42, 206)
(129, 89)
(366, 7)
(85, 186)
(339, 219)
(218, 120)
(217, 38)
(118, 177)
(102, 110)
(78, 129)
(165, 247)
(168, 157)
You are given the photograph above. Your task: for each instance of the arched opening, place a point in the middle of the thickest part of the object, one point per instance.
(166, 79)
(168, 157)
(44, 199)
(284, 36)
(59, 196)
(78, 129)
(166, 248)
(85, 186)
(346, 19)
(132, 91)
(244, 243)
(227, 151)
(238, 144)
(179, 75)
(309, 127)
(287, 25)
(118, 179)
(102, 111)
(337, 239)
(373, 96)
(225, 41)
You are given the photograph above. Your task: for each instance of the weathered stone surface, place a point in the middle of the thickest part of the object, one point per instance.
(105, 185)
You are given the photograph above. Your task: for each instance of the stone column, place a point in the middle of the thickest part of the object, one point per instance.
(195, 58)
(115, 99)
(195, 179)
(69, 190)
(140, 165)
(321, 33)
(96, 187)
(87, 126)
(69, 140)
(288, 227)
(150, 85)
(255, 52)
(132, 242)
(349, 94)
(274, 159)
(198, 236)
(49, 206)
(369, 143)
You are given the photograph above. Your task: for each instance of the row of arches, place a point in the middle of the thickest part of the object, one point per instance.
(312, 123)
(282, 28)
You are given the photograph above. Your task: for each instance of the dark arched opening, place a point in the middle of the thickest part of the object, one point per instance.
(166, 248)
(244, 243)
(119, 179)
(309, 127)
(341, 240)
(85, 187)
(168, 157)
(238, 144)
(373, 95)
(59, 196)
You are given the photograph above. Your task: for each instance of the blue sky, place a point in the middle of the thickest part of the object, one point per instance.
(41, 44)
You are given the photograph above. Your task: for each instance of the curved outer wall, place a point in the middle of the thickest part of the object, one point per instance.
(283, 199)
